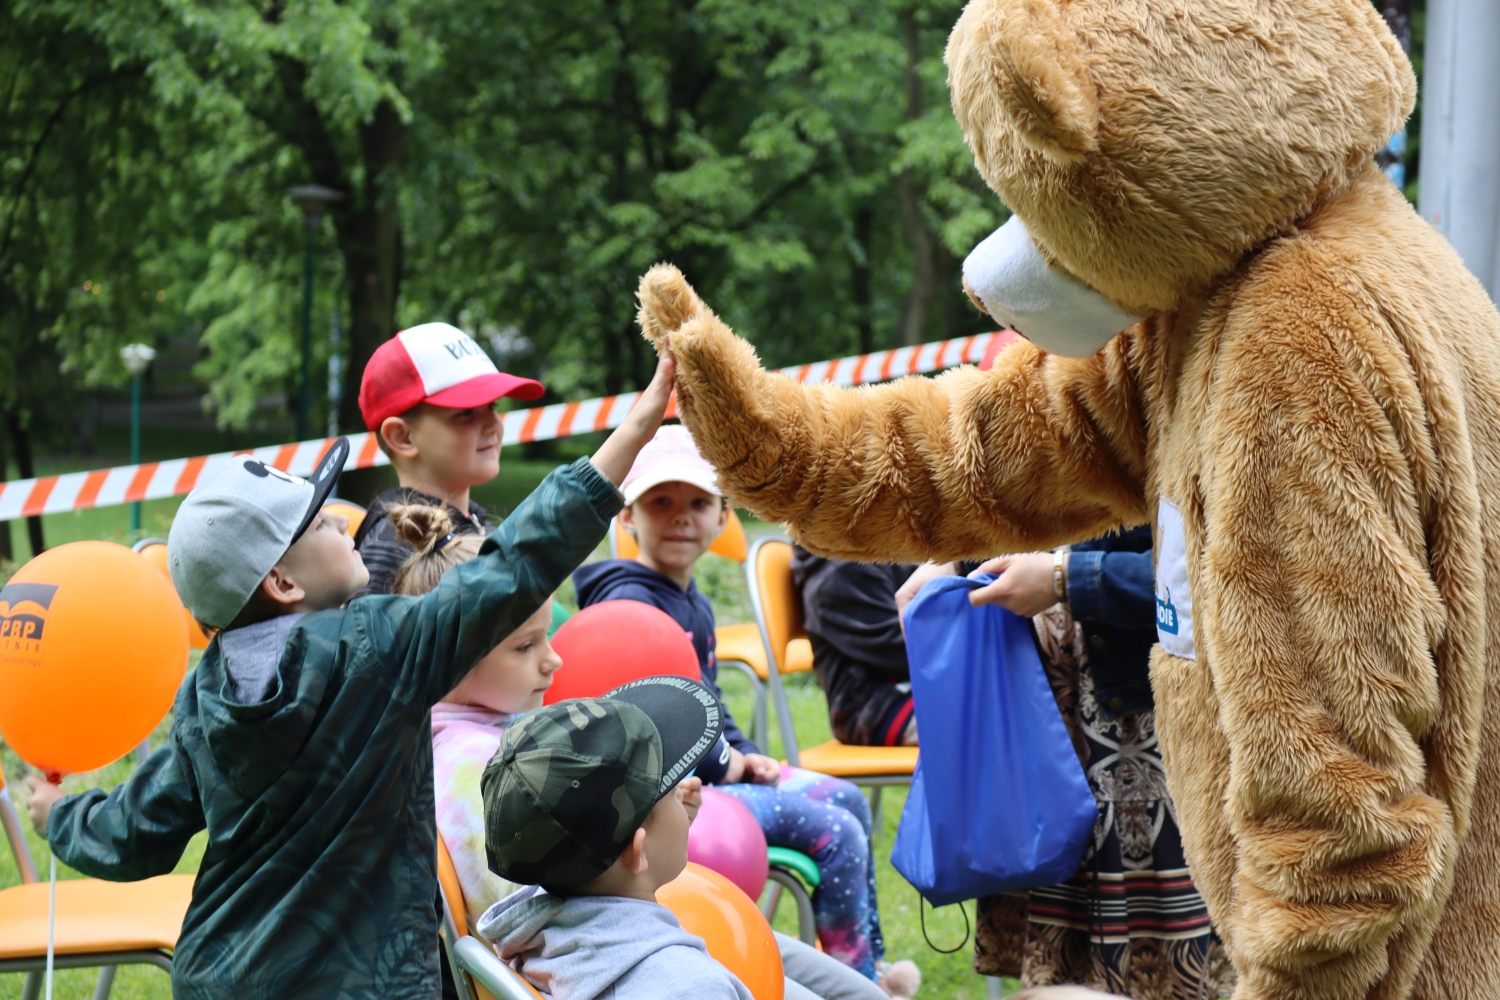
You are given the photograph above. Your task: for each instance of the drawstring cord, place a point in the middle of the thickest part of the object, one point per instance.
(922, 918)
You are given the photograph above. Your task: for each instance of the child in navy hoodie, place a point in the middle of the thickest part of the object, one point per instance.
(674, 510)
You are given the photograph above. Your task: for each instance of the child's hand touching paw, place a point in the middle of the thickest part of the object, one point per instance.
(615, 456)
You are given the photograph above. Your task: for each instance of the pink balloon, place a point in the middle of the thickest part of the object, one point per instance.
(726, 838)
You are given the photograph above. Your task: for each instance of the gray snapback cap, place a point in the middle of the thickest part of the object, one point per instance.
(237, 524)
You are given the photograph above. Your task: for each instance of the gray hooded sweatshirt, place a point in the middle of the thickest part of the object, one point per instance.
(606, 947)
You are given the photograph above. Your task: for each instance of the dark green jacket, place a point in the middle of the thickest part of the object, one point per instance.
(320, 872)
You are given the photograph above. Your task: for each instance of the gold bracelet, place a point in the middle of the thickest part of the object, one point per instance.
(1060, 575)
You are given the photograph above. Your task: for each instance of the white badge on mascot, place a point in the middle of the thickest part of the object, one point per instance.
(1047, 306)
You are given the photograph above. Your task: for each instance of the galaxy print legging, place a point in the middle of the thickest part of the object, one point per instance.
(828, 819)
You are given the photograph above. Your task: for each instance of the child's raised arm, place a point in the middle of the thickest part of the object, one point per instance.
(438, 639)
(617, 454)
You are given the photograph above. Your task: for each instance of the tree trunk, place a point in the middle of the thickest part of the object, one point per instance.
(924, 249)
(21, 439)
(7, 553)
(370, 240)
(369, 236)
(864, 238)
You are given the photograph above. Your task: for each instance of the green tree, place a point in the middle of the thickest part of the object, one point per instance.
(515, 166)
(288, 93)
(81, 187)
(798, 161)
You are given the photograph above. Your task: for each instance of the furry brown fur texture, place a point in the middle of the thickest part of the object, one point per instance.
(1317, 389)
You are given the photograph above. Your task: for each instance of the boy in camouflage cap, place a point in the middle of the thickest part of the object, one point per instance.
(584, 804)
(588, 799)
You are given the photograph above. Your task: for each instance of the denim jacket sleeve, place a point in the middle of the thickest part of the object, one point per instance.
(1111, 595)
(1112, 588)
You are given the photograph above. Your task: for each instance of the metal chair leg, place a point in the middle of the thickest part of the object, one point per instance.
(105, 983)
(771, 898)
(32, 988)
(807, 926)
(872, 792)
(789, 747)
(760, 726)
(762, 720)
(448, 935)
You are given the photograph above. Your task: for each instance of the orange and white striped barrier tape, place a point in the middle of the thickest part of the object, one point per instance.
(154, 480)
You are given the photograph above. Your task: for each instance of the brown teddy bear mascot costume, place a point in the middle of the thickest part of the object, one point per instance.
(1308, 410)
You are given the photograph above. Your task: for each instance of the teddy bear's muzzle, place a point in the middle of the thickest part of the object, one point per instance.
(1008, 277)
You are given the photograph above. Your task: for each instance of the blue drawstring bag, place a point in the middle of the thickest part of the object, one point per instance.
(999, 800)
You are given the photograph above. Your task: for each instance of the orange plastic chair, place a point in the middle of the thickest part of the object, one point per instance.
(738, 646)
(98, 925)
(478, 972)
(353, 511)
(778, 612)
(155, 551)
(738, 936)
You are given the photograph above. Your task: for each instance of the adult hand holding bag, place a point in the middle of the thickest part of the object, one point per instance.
(999, 800)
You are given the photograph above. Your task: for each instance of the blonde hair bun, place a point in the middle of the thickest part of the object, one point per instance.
(419, 525)
(424, 528)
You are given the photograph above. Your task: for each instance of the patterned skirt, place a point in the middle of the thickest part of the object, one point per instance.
(1130, 921)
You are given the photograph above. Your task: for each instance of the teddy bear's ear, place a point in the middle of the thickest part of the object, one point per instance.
(1016, 61)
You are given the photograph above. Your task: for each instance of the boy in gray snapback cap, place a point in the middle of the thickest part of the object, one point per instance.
(586, 803)
(302, 741)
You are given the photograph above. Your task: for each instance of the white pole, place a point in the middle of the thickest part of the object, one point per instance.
(51, 921)
(1460, 152)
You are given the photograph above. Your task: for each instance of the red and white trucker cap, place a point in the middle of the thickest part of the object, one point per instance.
(434, 363)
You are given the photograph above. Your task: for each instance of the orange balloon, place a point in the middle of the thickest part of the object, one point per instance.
(156, 554)
(92, 648)
(738, 937)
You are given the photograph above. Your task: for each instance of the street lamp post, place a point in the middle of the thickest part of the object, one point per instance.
(314, 200)
(136, 357)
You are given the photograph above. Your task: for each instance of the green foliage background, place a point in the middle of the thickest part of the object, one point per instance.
(511, 167)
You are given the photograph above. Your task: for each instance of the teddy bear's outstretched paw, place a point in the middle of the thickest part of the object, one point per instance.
(667, 302)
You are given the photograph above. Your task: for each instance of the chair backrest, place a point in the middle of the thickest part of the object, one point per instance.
(15, 834)
(731, 925)
(456, 921)
(731, 543)
(774, 597)
(453, 890)
(353, 511)
(155, 552)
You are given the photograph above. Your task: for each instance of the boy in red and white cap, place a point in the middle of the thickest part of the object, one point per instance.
(428, 394)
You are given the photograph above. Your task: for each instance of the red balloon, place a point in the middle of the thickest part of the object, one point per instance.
(726, 838)
(615, 642)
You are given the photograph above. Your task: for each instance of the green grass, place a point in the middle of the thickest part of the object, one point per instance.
(944, 976)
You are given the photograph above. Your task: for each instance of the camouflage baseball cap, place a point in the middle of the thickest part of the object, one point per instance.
(572, 782)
